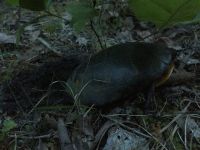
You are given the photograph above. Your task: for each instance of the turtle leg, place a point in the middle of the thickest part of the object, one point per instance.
(149, 106)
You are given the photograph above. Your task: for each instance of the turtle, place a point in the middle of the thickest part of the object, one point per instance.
(123, 68)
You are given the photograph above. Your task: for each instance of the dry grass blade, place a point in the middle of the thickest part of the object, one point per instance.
(65, 141)
(175, 118)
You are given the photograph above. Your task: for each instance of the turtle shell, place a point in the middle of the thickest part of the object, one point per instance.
(117, 70)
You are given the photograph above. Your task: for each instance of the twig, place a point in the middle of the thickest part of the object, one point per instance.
(55, 15)
(32, 137)
(96, 34)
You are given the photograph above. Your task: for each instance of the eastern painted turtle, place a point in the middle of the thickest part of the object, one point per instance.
(119, 69)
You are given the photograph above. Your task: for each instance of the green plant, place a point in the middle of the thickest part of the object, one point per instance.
(166, 13)
(34, 5)
(81, 12)
(12, 2)
(8, 125)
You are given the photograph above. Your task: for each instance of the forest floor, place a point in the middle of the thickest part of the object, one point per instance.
(27, 56)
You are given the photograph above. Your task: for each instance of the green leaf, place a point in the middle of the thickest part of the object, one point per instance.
(165, 13)
(13, 2)
(81, 13)
(8, 125)
(34, 5)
